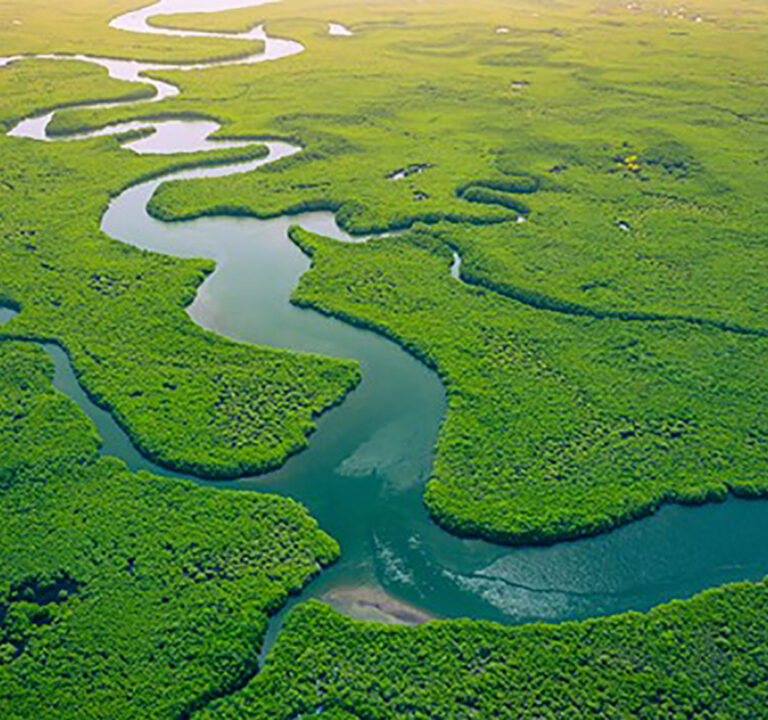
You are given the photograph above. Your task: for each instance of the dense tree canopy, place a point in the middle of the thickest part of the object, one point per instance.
(122, 594)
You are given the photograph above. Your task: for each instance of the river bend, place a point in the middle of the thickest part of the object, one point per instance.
(364, 472)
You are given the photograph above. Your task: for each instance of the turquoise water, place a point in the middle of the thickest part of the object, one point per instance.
(363, 474)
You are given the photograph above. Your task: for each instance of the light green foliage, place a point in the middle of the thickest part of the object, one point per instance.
(693, 208)
(26, 82)
(187, 397)
(82, 26)
(701, 659)
(476, 106)
(227, 21)
(126, 595)
(645, 193)
(558, 425)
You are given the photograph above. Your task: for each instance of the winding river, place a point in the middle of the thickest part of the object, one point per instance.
(363, 474)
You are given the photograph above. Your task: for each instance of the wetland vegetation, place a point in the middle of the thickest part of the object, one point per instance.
(125, 594)
(596, 168)
(585, 457)
(694, 659)
(187, 398)
(37, 27)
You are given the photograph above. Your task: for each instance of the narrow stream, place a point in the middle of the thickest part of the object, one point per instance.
(363, 474)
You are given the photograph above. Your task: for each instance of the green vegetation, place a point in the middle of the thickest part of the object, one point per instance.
(487, 155)
(231, 21)
(126, 595)
(82, 26)
(480, 108)
(26, 82)
(188, 398)
(632, 141)
(558, 426)
(643, 195)
(701, 659)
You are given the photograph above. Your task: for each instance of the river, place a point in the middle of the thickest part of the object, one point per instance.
(364, 472)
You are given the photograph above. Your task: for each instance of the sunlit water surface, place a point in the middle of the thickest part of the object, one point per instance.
(364, 472)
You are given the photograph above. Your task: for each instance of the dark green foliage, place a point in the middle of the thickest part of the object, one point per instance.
(701, 659)
(522, 184)
(126, 595)
(674, 157)
(34, 418)
(31, 604)
(558, 425)
(494, 197)
(498, 193)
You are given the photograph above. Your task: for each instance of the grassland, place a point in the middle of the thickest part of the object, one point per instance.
(228, 21)
(126, 595)
(26, 84)
(477, 106)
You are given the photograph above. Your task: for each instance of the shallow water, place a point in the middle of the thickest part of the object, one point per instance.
(136, 71)
(339, 30)
(363, 474)
(362, 479)
(456, 266)
(137, 21)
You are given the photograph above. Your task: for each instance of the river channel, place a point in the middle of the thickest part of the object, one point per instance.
(363, 475)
